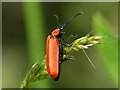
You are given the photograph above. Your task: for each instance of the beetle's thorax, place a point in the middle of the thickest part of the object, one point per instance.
(56, 32)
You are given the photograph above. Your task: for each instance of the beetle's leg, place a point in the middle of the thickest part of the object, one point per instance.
(68, 58)
(65, 41)
(69, 37)
(63, 44)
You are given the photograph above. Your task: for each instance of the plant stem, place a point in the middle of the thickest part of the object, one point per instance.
(38, 70)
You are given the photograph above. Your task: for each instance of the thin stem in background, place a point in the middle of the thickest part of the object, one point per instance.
(35, 30)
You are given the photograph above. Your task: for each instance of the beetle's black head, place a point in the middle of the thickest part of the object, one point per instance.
(61, 27)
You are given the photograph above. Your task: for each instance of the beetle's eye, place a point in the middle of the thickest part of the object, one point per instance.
(60, 27)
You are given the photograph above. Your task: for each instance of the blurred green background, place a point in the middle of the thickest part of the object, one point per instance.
(26, 26)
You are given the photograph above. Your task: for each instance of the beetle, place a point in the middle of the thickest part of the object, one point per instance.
(54, 50)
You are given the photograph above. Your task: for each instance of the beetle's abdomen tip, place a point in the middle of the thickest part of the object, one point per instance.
(54, 75)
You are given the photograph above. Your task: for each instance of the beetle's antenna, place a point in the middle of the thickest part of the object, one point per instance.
(72, 18)
(89, 59)
(57, 19)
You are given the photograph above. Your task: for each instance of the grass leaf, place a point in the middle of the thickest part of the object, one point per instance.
(108, 50)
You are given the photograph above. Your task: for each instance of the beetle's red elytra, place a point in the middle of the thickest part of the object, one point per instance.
(52, 56)
(53, 50)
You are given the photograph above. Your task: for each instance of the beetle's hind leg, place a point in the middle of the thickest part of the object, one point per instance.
(68, 58)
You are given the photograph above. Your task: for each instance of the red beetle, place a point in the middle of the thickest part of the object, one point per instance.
(54, 50)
